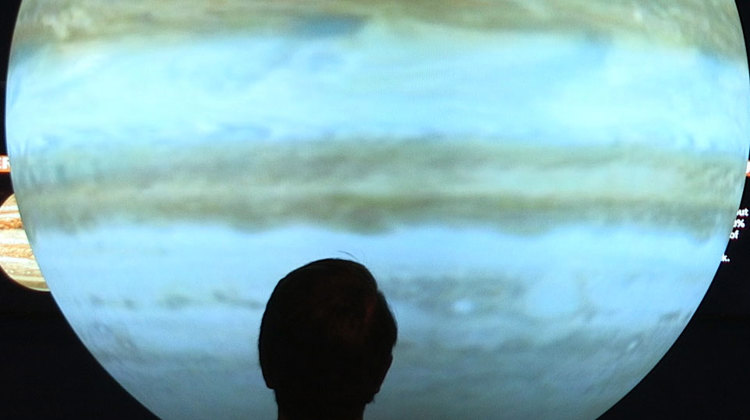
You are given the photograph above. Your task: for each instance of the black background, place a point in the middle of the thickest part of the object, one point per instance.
(46, 373)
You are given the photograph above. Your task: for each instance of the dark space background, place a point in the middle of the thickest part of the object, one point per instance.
(46, 373)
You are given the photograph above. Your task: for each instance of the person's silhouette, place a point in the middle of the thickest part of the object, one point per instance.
(326, 341)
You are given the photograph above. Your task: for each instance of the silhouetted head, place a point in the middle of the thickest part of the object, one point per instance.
(326, 341)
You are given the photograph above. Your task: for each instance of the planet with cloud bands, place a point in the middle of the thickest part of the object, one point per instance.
(543, 189)
(16, 258)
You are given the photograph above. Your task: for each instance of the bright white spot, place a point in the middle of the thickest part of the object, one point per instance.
(463, 306)
(633, 344)
(638, 15)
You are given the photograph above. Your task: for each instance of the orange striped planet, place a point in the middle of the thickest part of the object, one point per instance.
(16, 258)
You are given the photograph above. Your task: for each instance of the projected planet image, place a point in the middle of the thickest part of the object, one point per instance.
(16, 258)
(543, 189)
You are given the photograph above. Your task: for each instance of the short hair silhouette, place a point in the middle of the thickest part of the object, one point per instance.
(326, 341)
